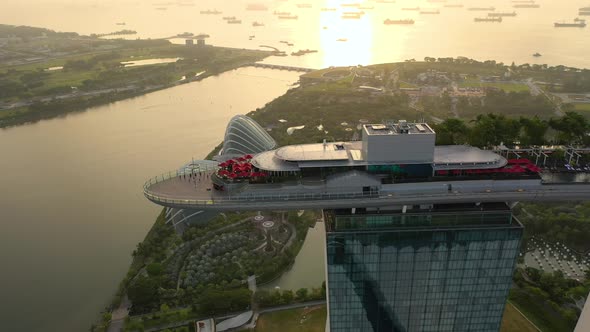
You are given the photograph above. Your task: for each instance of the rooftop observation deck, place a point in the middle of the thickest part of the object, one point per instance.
(182, 190)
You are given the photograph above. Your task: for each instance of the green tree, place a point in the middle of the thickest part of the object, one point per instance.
(301, 294)
(154, 269)
(451, 131)
(287, 296)
(493, 129)
(106, 317)
(143, 291)
(572, 128)
(534, 130)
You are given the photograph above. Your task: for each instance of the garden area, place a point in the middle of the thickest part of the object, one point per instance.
(312, 319)
(203, 272)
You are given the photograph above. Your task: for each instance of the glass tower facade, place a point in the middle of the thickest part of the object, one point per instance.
(446, 268)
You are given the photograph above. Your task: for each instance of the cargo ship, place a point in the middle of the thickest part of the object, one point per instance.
(302, 52)
(435, 12)
(488, 19)
(234, 21)
(482, 9)
(227, 18)
(210, 12)
(257, 7)
(354, 16)
(579, 24)
(388, 22)
(257, 24)
(502, 14)
(527, 5)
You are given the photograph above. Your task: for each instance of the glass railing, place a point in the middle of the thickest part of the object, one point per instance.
(345, 193)
(174, 174)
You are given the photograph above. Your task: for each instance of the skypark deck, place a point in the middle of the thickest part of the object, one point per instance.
(183, 191)
(394, 164)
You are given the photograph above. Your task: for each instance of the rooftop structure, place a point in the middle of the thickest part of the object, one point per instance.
(382, 144)
(395, 163)
(243, 135)
(400, 142)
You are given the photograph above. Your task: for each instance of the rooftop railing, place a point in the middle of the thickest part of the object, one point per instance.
(244, 196)
(172, 174)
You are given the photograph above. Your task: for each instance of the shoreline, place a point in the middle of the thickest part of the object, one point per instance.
(47, 111)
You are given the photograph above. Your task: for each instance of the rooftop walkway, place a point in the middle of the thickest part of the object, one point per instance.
(196, 192)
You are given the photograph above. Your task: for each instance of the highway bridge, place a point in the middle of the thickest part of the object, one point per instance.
(195, 192)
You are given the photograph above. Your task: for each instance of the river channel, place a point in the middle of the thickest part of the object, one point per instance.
(308, 271)
(71, 202)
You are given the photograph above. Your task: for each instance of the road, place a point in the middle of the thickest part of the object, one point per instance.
(535, 91)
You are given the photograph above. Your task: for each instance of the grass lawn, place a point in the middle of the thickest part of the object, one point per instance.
(406, 85)
(583, 109)
(312, 319)
(326, 71)
(508, 87)
(315, 320)
(470, 83)
(513, 321)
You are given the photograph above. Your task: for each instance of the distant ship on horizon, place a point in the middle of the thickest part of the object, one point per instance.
(210, 12)
(434, 12)
(502, 14)
(488, 19)
(527, 5)
(405, 21)
(486, 9)
(575, 24)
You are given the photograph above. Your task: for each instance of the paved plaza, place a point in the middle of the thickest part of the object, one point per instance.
(550, 257)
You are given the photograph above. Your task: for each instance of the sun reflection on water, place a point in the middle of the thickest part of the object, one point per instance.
(345, 41)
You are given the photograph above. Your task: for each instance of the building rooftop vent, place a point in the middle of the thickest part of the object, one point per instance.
(378, 127)
(404, 128)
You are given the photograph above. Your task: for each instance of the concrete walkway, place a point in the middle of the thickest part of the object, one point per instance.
(119, 316)
(250, 325)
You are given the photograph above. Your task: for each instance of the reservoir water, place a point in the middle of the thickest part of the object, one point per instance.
(308, 271)
(71, 201)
